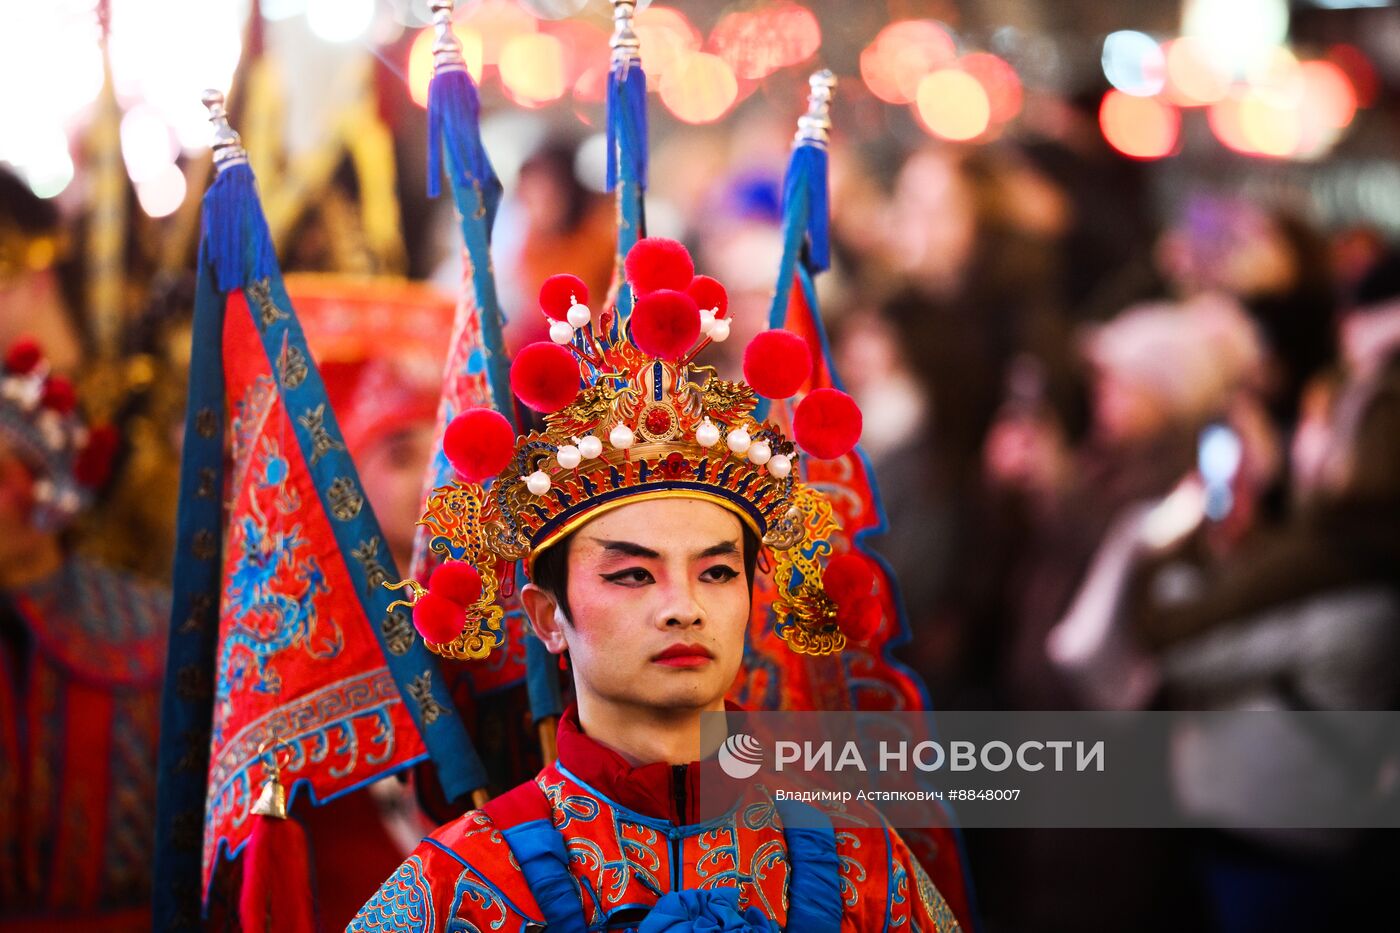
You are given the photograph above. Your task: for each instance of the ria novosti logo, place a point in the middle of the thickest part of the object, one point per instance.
(740, 756)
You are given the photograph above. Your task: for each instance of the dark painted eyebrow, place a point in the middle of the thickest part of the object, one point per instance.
(627, 548)
(631, 549)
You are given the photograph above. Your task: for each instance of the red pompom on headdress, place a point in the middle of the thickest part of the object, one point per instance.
(544, 376)
(847, 579)
(776, 363)
(457, 581)
(59, 395)
(655, 262)
(24, 354)
(861, 621)
(438, 619)
(665, 323)
(827, 423)
(559, 293)
(478, 443)
(709, 295)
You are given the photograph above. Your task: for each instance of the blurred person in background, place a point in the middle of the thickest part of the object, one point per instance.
(81, 654)
(32, 301)
(1278, 266)
(551, 221)
(1208, 613)
(1158, 374)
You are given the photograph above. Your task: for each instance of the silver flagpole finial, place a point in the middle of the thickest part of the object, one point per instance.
(626, 47)
(814, 126)
(227, 145)
(447, 49)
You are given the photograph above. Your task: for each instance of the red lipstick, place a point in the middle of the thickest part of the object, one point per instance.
(684, 656)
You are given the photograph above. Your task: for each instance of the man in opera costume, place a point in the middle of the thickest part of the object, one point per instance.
(642, 513)
(81, 655)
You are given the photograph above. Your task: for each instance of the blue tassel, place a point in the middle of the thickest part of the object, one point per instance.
(627, 124)
(237, 243)
(454, 128)
(807, 179)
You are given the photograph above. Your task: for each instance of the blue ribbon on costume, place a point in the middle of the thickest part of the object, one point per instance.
(814, 878)
(806, 224)
(714, 910)
(544, 862)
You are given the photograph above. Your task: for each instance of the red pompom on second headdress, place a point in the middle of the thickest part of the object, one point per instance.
(24, 354)
(438, 619)
(59, 395)
(544, 376)
(93, 466)
(478, 443)
(776, 363)
(827, 423)
(655, 262)
(456, 580)
(559, 293)
(665, 324)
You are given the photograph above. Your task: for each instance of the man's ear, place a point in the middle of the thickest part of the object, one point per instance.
(546, 618)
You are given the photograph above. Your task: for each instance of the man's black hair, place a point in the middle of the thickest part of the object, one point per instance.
(552, 567)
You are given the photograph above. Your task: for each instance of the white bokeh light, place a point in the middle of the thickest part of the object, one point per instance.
(1237, 34)
(166, 52)
(339, 20)
(50, 62)
(148, 145)
(40, 155)
(1133, 63)
(162, 194)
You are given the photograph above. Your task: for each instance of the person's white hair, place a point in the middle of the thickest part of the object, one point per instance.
(1192, 355)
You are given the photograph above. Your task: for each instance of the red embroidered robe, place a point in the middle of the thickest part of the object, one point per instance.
(634, 834)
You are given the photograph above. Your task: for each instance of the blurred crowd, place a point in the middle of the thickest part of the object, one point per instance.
(1138, 448)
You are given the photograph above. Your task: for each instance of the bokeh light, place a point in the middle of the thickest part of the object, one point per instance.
(532, 68)
(148, 145)
(40, 155)
(1139, 127)
(1225, 122)
(1133, 63)
(1236, 34)
(154, 61)
(1270, 127)
(339, 20)
(1328, 95)
(952, 104)
(999, 80)
(1359, 71)
(496, 22)
(903, 53)
(667, 37)
(420, 59)
(162, 194)
(1192, 78)
(699, 88)
(746, 41)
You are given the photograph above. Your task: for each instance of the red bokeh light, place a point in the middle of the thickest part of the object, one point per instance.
(999, 80)
(902, 54)
(666, 36)
(757, 43)
(1139, 127)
